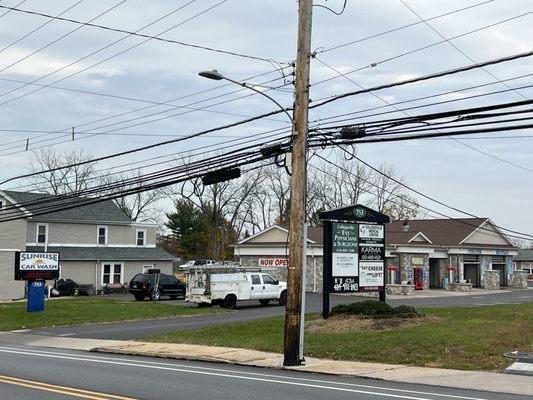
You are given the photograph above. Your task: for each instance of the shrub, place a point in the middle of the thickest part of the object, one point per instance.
(404, 311)
(370, 308)
(374, 309)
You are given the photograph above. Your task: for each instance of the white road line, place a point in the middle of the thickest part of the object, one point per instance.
(226, 373)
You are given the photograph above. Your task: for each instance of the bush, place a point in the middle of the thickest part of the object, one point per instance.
(374, 309)
(406, 312)
(370, 308)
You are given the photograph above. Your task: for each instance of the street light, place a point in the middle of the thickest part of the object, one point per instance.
(293, 356)
(217, 76)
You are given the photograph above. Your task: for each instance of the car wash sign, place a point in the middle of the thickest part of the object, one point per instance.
(354, 250)
(30, 266)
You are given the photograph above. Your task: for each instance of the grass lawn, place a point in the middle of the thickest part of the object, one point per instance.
(73, 311)
(458, 338)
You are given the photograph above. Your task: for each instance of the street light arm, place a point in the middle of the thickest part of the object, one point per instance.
(243, 84)
(217, 76)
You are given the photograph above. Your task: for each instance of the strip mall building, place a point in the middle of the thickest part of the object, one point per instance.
(425, 253)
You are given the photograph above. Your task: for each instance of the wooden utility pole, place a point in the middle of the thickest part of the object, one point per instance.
(298, 187)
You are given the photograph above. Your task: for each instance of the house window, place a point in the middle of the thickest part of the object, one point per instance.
(42, 233)
(102, 235)
(141, 237)
(1, 204)
(112, 273)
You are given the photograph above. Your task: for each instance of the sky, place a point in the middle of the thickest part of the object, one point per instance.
(111, 86)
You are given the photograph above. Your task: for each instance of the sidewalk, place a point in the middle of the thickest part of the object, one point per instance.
(431, 293)
(487, 381)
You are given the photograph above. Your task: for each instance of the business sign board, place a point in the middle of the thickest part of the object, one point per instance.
(357, 257)
(354, 251)
(31, 266)
(273, 262)
(344, 258)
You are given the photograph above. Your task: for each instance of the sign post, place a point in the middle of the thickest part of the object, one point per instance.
(36, 267)
(354, 252)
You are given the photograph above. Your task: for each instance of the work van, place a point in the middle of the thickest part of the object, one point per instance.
(209, 286)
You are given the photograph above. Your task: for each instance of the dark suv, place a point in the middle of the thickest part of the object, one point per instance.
(143, 285)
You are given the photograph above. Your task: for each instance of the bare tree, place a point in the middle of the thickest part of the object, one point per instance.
(384, 186)
(74, 179)
(142, 206)
(69, 180)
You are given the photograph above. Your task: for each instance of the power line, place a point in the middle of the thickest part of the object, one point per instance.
(151, 146)
(406, 53)
(135, 33)
(527, 236)
(428, 97)
(8, 11)
(40, 26)
(90, 132)
(98, 51)
(332, 10)
(164, 159)
(168, 103)
(58, 39)
(404, 112)
(411, 9)
(324, 50)
(231, 159)
(427, 77)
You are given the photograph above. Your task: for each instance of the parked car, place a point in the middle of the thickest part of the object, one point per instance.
(143, 285)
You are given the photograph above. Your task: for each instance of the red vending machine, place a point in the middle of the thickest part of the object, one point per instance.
(418, 278)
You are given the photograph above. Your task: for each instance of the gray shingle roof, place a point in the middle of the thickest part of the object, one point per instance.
(107, 253)
(106, 211)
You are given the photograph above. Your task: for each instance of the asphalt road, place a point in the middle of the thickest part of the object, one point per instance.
(252, 310)
(37, 373)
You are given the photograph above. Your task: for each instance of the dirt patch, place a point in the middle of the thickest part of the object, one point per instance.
(346, 324)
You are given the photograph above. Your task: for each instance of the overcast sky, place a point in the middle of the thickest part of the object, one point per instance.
(159, 72)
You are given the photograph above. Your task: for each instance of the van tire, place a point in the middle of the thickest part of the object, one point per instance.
(283, 298)
(230, 301)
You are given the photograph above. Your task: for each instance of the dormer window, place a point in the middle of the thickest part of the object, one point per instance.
(141, 237)
(102, 235)
(42, 233)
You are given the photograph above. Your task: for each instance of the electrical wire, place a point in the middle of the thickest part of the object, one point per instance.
(364, 39)
(523, 235)
(104, 48)
(412, 10)
(426, 77)
(58, 39)
(151, 146)
(332, 10)
(90, 132)
(135, 33)
(406, 53)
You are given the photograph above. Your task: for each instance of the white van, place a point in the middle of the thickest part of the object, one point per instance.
(225, 289)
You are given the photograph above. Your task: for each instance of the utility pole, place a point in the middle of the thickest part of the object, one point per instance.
(298, 187)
